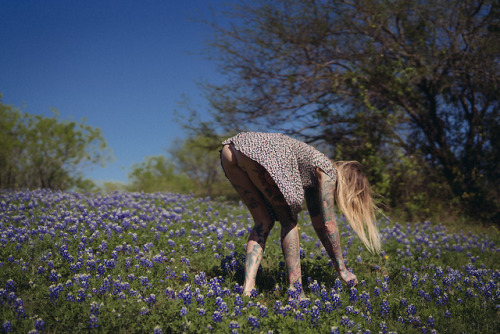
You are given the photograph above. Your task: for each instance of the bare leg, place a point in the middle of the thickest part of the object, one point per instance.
(289, 232)
(252, 199)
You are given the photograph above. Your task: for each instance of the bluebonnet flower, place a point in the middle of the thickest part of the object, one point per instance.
(218, 302)
(186, 261)
(383, 327)
(305, 303)
(201, 279)
(234, 325)
(54, 291)
(437, 290)
(353, 295)
(414, 280)
(217, 317)
(277, 306)
(184, 276)
(54, 276)
(82, 296)
(200, 300)
(183, 311)
(314, 287)
(315, 314)
(157, 330)
(254, 322)
(344, 321)
(254, 293)
(293, 293)
(328, 307)
(10, 285)
(384, 308)
(70, 297)
(237, 289)
(101, 269)
(411, 309)
(151, 300)
(93, 321)
(262, 310)
(94, 308)
(201, 311)
(144, 281)
(19, 308)
(39, 324)
(365, 298)
(336, 303)
(350, 310)
(334, 330)
(7, 327)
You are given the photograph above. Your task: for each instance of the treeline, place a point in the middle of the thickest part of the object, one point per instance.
(192, 166)
(46, 152)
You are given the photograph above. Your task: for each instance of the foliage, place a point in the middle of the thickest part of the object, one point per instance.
(163, 262)
(403, 84)
(46, 152)
(198, 158)
(193, 167)
(157, 173)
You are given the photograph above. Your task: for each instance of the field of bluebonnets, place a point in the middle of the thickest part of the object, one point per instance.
(161, 263)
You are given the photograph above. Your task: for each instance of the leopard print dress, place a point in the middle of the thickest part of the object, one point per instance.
(291, 163)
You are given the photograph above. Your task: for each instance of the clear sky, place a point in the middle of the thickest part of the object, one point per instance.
(123, 65)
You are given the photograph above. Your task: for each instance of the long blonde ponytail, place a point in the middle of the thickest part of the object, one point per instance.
(354, 197)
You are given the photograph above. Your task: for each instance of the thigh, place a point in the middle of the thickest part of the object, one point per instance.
(263, 181)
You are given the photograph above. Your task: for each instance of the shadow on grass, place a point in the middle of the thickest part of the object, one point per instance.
(232, 269)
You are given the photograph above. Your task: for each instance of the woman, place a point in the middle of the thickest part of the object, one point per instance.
(273, 173)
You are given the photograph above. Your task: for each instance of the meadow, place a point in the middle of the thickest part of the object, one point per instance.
(170, 263)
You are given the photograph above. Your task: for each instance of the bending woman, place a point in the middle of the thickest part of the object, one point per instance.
(273, 173)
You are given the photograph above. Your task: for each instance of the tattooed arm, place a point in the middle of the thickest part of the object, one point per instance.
(320, 203)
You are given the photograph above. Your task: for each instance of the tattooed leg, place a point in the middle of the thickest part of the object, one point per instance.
(289, 231)
(321, 203)
(291, 251)
(252, 198)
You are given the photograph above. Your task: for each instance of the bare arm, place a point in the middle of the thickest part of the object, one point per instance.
(321, 208)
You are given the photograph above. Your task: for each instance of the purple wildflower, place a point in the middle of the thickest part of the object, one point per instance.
(254, 322)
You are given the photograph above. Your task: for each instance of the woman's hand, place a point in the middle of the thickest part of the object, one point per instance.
(348, 277)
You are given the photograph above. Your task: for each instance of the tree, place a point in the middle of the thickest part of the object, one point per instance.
(45, 152)
(401, 79)
(198, 158)
(157, 174)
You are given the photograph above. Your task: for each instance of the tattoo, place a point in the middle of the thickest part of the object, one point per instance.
(326, 227)
(246, 195)
(252, 262)
(291, 251)
(327, 188)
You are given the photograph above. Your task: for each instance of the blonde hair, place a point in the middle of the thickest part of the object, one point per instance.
(354, 197)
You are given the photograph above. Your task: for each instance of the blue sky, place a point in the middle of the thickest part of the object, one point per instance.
(122, 65)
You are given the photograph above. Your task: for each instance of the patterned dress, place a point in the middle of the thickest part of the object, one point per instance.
(291, 163)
